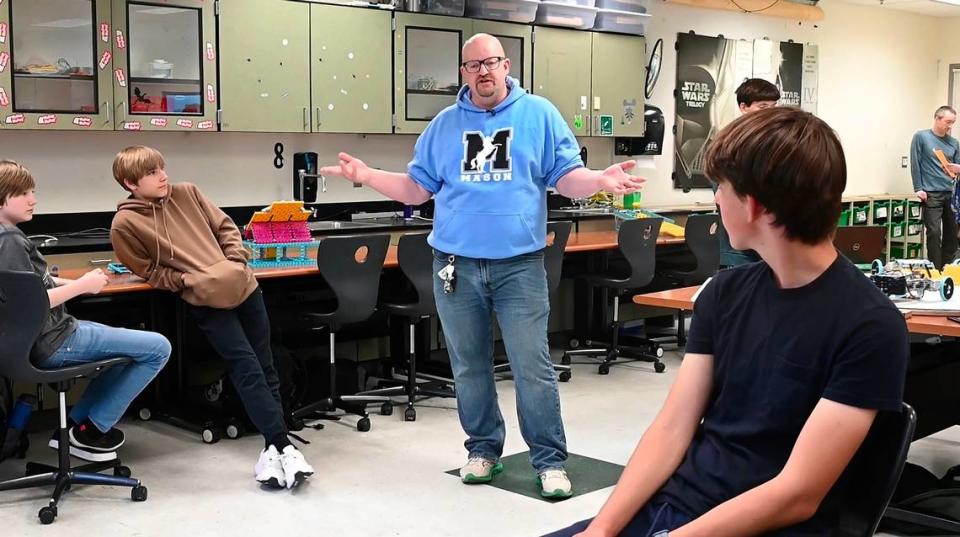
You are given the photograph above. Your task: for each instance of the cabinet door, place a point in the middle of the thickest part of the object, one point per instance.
(427, 66)
(561, 73)
(264, 59)
(165, 72)
(351, 60)
(517, 40)
(619, 78)
(55, 65)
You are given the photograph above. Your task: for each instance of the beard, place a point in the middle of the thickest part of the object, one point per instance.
(486, 90)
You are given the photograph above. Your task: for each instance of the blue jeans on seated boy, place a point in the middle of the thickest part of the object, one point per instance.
(516, 290)
(110, 393)
(656, 519)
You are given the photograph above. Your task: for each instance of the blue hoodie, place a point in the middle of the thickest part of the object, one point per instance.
(489, 171)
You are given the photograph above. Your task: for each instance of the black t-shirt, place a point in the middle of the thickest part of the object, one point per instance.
(17, 252)
(776, 353)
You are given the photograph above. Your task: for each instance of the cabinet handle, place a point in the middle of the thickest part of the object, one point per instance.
(121, 107)
(106, 107)
(306, 120)
(318, 118)
(596, 125)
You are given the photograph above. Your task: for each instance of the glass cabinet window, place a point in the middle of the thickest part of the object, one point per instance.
(53, 54)
(513, 48)
(432, 71)
(165, 69)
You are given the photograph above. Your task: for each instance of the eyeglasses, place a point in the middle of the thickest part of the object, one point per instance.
(491, 63)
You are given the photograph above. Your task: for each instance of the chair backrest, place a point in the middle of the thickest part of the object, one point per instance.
(875, 471)
(351, 266)
(637, 241)
(24, 308)
(700, 234)
(416, 262)
(553, 254)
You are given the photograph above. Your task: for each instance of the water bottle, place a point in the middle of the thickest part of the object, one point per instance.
(21, 412)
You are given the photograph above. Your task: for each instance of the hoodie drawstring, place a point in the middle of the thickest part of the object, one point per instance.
(166, 229)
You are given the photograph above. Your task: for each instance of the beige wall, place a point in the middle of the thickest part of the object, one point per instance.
(881, 75)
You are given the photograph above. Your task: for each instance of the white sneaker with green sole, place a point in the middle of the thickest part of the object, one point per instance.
(479, 470)
(555, 484)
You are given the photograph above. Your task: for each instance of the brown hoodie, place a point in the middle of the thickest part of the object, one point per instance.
(184, 243)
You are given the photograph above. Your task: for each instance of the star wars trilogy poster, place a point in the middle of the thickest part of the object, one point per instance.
(709, 70)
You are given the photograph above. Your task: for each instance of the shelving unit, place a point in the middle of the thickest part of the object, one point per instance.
(901, 216)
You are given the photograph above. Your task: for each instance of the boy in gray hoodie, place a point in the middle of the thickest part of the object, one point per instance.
(178, 240)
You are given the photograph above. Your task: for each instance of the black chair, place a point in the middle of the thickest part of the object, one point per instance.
(24, 307)
(416, 262)
(875, 471)
(351, 267)
(558, 233)
(637, 242)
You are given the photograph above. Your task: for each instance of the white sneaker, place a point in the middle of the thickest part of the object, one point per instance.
(555, 484)
(269, 468)
(479, 470)
(295, 467)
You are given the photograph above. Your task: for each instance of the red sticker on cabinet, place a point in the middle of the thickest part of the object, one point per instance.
(121, 42)
(158, 121)
(105, 59)
(14, 119)
(211, 53)
(82, 121)
(4, 100)
(47, 119)
(131, 126)
(105, 32)
(3, 32)
(205, 125)
(185, 123)
(121, 78)
(4, 58)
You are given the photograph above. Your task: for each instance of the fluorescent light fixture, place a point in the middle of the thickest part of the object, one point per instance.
(160, 10)
(64, 23)
(950, 2)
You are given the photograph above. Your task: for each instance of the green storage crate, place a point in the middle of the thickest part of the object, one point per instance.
(896, 251)
(898, 210)
(844, 218)
(881, 211)
(861, 213)
(914, 229)
(914, 251)
(913, 212)
(897, 229)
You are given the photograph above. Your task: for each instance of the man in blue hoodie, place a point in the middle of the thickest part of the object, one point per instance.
(489, 159)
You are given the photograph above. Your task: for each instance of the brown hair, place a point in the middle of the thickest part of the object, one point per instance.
(14, 180)
(791, 162)
(943, 110)
(756, 89)
(136, 162)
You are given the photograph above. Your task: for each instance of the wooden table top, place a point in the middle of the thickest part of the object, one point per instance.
(584, 241)
(682, 299)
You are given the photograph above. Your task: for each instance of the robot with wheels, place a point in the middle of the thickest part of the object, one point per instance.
(910, 278)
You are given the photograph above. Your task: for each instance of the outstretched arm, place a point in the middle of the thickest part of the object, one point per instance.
(584, 182)
(397, 186)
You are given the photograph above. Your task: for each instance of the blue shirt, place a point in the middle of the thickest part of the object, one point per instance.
(925, 168)
(489, 171)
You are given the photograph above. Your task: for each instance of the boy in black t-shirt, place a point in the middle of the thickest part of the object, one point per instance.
(788, 360)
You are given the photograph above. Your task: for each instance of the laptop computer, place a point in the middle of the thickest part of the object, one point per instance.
(861, 244)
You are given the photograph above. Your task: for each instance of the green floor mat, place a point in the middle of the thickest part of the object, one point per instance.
(586, 474)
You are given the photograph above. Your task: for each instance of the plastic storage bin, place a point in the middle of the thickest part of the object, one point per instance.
(581, 3)
(621, 22)
(881, 212)
(898, 209)
(861, 214)
(633, 6)
(443, 7)
(522, 11)
(568, 15)
(915, 251)
(844, 218)
(914, 210)
(897, 229)
(914, 229)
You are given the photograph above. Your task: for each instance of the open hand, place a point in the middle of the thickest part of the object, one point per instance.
(350, 168)
(617, 181)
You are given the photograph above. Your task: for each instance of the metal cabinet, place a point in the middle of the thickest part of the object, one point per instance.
(517, 40)
(55, 65)
(264, 61)
(351, 61)
(595, 79)
(165, 65)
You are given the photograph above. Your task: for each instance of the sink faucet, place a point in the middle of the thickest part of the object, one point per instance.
(303, 174)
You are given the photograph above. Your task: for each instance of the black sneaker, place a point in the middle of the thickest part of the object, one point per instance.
(87, 436)
(83, 452)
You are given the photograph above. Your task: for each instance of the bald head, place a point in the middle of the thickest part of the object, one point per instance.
(484, 42)
(485, 69)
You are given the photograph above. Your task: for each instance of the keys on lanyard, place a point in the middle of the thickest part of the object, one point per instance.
(447, 276)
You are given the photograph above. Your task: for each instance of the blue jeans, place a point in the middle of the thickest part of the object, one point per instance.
(110, 393)
(516, 290)
(656, 519)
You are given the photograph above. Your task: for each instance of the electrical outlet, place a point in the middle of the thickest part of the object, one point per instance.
(904, 162)
(357, 185)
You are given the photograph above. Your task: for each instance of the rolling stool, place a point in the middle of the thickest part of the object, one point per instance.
(351, 267)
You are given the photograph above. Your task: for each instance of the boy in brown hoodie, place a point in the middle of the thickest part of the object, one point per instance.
(178, 240)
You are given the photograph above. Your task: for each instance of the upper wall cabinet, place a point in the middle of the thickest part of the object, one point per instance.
(55, 65)
(351, 65)
(165, 65)
(427, 62)
(264, 66)
(595, 79)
